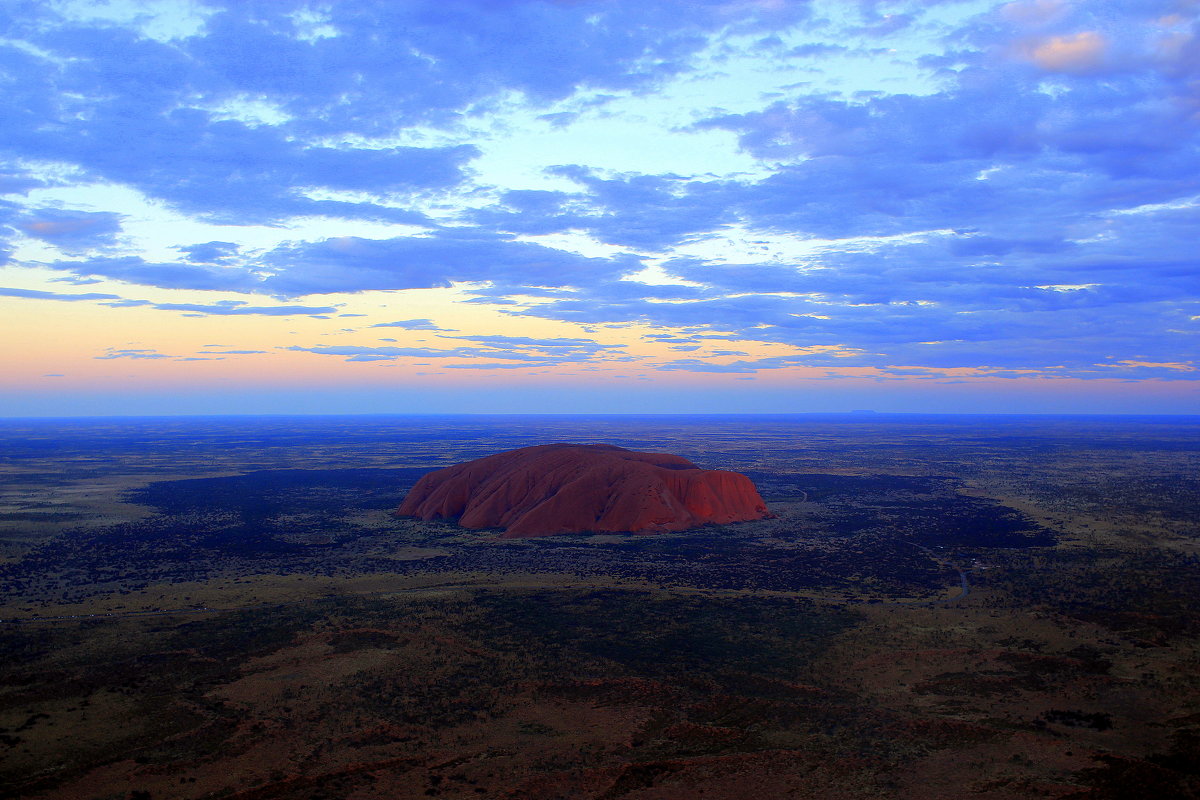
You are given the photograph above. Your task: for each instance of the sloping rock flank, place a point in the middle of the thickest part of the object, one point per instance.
(565, 488)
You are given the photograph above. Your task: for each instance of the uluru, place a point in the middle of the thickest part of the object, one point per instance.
(568, 488)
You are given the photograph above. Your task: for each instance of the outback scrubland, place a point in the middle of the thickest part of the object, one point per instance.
(940, 608)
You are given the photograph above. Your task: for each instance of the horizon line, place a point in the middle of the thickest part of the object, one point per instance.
(860, 414)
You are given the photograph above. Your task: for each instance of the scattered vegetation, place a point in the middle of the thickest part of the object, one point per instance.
(827, 652)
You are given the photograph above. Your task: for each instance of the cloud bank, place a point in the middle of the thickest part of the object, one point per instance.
(1009, 188)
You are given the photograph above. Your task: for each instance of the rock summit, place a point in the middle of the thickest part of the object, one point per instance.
(569, 488)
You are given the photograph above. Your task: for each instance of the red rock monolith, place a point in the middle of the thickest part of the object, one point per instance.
(567, 488)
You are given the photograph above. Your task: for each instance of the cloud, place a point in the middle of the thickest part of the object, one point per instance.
(221, 308)
(132, 354)
(166, 275)
(1080, 53)
(408, 324)
(210, 252)
(37, 294)
(696, 365)
(210, 126)
(642, 211)
(72, 231)
(487, 366)
(444, 257)
(527, 351)
(150, 354)
(1034, 12)
(885, 25)
(668, 338)
(818, 49)
(14, 181)
(885, 306)
(360, 353)
(526, 342)
(239, 308)
(131, 120)
(1018, 195)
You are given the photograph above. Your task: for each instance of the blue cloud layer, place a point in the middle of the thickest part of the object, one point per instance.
(134, 110)
(409, 325)
(521, 351)
(1033, 207)
(221, 308)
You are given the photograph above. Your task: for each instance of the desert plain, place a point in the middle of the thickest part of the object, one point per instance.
(941, 607)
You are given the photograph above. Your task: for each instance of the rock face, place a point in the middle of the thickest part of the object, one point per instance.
(566, 488)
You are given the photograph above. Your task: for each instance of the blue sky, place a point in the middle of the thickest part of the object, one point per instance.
(506, 205)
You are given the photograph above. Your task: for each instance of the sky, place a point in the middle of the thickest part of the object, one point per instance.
(599, 206)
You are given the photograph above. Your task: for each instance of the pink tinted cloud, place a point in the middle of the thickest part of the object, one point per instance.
(1078, 53)
(50, 228)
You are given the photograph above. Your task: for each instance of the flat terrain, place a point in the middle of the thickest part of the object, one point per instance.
(942, 607)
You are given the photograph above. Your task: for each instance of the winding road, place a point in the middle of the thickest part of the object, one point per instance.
(962, 575)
